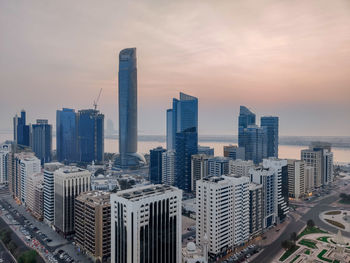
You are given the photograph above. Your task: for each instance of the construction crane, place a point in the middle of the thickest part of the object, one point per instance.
(98, 97)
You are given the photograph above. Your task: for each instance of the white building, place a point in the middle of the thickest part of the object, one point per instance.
(241, 167)
(199, 168)
(146, 223)
(168, 167)
(309, 179)
(222, 212)
(28, 166)
(296, 178)
(266, 177)
(4, 153)
(218, 166)
(49, 191)
(280, 169)
(69, 181)
(34, 202)
(194, 254)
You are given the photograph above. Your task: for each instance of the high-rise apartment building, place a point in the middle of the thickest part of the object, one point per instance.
(199, 169)
(127, 83)
(35, 194)
(266, 177)
(69, 181)
(155, 166)
(218, 166)
(222, 205)
(90, 124)
(184, 116)
(270, 123)
(66, 135)
(255, 209)
(4, 155)
(21, 131)
(93, 224)
(309, 179)
(28, 165)
(320, 156)
(186, 145)
(42, 140)
(280, 169)
(49, 191)
(296, 178)
(234, 152)
(240, 167)
(168, 167)
(146, 225)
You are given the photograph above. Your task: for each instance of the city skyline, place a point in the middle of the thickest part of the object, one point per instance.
(275, 58)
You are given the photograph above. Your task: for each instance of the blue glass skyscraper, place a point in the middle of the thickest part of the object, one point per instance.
(270, 123)
(21, 131)
(155, 166)
(66, 135)
(90, 135)
(255, 143)
(42, 140)
(182, 116)
(128, 110)
(246, 118)
(186, 145)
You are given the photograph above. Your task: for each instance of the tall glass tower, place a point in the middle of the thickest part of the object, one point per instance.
(245, 119)
(42, 140)
(182, 116)
(271, 125)
(128, 110)
(21, 131)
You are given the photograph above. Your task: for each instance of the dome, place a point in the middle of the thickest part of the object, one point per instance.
(191, 247)
(100, 176)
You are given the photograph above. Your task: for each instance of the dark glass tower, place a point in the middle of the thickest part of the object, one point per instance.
(42, 140)
(186, 145)
(271, 125)
(245, 119)
(66, 135)
(128, 110)
(155, 166)
(21, 131)
(182, 116)
(255, 140)
(90, 135)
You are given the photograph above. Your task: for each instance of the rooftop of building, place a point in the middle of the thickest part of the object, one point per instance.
(95, 197)
(135, 194)
(254, 186)
(70, 170)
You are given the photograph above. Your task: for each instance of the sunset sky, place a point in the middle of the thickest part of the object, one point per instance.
(278, 57)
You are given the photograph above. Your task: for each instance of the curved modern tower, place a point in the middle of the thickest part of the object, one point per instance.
(128, 109)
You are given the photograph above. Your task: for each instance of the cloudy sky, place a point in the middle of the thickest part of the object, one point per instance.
(278, 57)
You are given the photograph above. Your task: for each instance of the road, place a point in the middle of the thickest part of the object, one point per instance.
(4, 255)
(313, 213)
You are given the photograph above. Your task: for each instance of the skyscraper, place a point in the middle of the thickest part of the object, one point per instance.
(42, 140)
(218, 166)
(21, 131)
(146, 225)
(296, 178)
(271, 125)
(90, 136)
(128, 110)
(155, 166)
(66, 135)
(182, 116)
(255, 143)
(4, 156)
(186, 145)
(70, 181)
(199, 169)
(255, 209)
(168, 167)
(234, 152)
(245, 119)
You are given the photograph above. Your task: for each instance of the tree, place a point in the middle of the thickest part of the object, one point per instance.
(293, 237)
(286, 244)
(343, 196)
(12, 246)
(6, 236)
(28, 257)
(310, 223)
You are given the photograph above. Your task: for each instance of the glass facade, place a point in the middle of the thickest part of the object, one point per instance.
(42, 140)
(90, 135)
(271, 125)
(155, 166)
(255, 143)
(66, 135)
(245, 119)
(186, 145)
(127, 107)
(21, 131)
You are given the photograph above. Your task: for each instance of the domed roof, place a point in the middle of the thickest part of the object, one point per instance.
(100, 176)
(191, 247)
